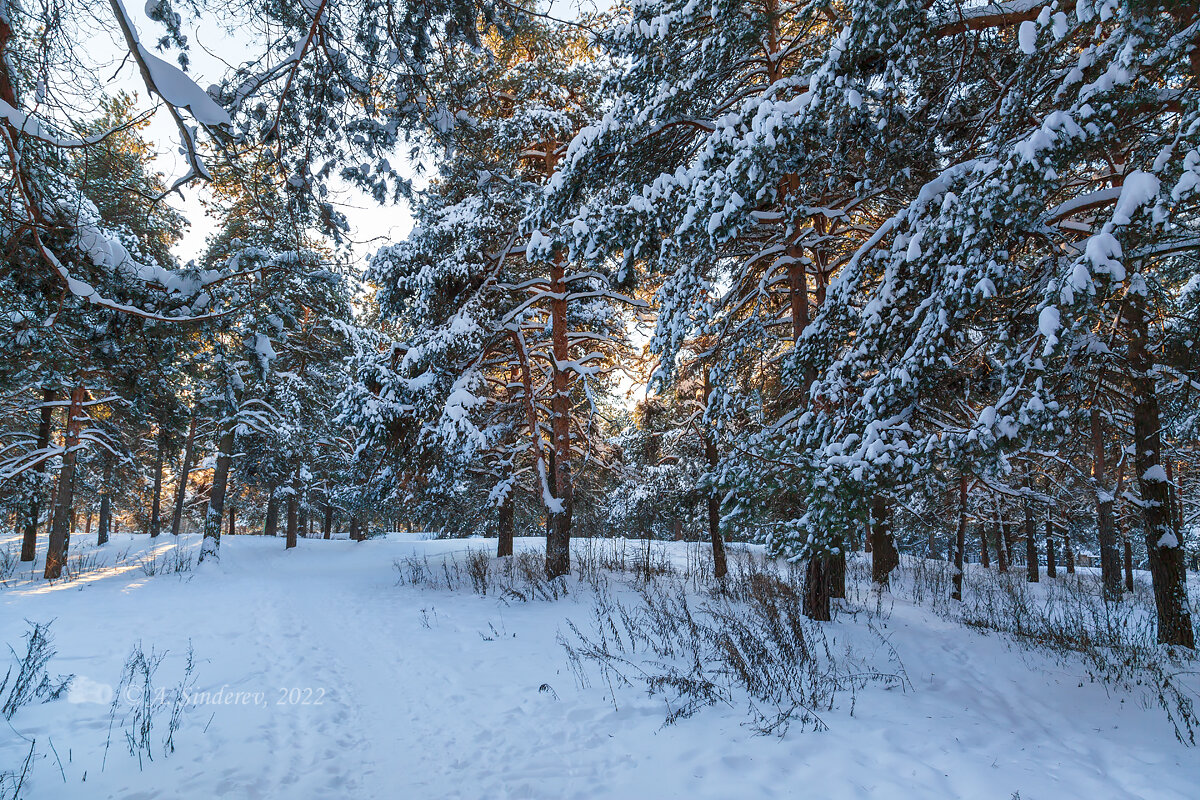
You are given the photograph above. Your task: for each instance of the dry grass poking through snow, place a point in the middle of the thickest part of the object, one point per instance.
(1065, 617)
(673, 630)
(667, 626)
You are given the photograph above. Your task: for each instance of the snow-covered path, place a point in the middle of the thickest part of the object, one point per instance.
(373, 690)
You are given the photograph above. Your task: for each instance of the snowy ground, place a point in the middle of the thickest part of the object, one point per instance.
(356, 687)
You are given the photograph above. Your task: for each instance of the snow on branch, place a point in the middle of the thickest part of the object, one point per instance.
(178, 91)
(994, 15)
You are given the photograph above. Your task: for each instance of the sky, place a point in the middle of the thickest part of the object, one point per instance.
(212, 51)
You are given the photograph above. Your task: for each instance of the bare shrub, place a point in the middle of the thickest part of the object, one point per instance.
(12, 781)
(518, 577)
(748, 639)
(1068, 618)
(9, 563)
(138, 704)
(171, 561)
(478, 563)
(82, 562)
(32, 681)
(1116, 642)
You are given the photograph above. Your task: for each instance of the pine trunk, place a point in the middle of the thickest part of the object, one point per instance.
(1176, 500)
(818, 577)
(327, 531)
(1164, 545)
(1068, 552)
(156, 500)
(720, 564)
(960, 540)
(184, 469)
(931, 548)
(504, 527)
(29, 541)
(232, 521)
(884, 557)
(59, 539)
(271, 526)
(1051, 563)
(1110, 564)
(293, 504)
(798, 295)
(836, 564)
(1128, 565)
(816, 590)
(211, 545)
(1001, 550)
(984, 557)
(1032, 572)
(558, 542)
(105, 504)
